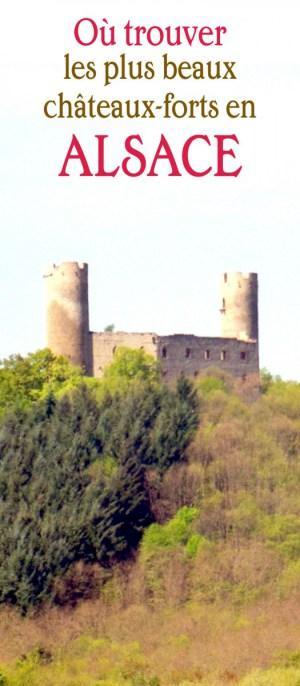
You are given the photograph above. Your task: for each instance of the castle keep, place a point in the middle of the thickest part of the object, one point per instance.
(235, 351)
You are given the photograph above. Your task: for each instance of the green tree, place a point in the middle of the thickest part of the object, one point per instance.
(124, 511)
(130, 366)
(24, 380)
(176, 423)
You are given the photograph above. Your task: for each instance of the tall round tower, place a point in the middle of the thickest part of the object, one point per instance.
(68, 311)
(239, 306)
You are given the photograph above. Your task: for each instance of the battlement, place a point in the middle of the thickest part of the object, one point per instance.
(65, 267)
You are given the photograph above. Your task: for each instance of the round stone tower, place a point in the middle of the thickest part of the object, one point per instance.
(68, 312)
(239, 306)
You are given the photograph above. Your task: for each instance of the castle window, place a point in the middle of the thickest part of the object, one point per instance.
(207, 355)
(223, 355)
(114, 350)
(224, 304)
(225, 278)
(153, 340)
(164, 352)
(188, 353)
(196, 374)
(243, 355)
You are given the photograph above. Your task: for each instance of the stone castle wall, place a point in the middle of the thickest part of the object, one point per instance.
(191, 355)
(104, 345)
(179, 353)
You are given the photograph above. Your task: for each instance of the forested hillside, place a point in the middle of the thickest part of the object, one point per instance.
(149, 536)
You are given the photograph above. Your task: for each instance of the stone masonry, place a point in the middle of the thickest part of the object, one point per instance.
(236, 351)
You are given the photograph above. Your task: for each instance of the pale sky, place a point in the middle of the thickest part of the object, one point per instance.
(155, 246)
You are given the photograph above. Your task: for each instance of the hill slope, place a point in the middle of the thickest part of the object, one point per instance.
(162, 523)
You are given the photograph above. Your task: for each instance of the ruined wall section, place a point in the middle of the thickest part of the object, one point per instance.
(104, 345)
(179, 353)
(192, 355)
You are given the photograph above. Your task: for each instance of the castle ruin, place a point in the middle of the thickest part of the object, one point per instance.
(236, 351)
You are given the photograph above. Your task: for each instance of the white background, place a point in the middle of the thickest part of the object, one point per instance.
(155, 246)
